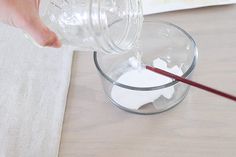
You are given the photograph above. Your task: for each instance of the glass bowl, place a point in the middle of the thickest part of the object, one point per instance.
(163, 42)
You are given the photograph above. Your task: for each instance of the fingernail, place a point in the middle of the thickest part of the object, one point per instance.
(57, 44)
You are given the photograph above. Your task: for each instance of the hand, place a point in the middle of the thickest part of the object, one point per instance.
(24, 14)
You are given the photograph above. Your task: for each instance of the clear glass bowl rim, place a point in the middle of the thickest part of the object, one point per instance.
(185, 75)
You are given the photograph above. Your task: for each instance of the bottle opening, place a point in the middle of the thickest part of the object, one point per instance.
(120, 23)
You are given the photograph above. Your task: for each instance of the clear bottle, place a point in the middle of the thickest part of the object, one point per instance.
(110, 26)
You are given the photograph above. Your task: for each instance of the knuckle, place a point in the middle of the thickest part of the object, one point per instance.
(23, 21)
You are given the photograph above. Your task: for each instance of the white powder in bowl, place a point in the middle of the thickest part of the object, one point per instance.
(141, 77)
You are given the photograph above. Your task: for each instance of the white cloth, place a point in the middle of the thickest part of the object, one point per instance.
(158, 6)
(33, 89)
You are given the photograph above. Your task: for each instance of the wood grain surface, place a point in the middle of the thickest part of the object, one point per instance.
(202, 125)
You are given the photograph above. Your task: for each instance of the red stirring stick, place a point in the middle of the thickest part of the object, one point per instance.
(192, 83)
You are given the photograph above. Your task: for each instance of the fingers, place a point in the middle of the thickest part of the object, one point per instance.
(41, 33)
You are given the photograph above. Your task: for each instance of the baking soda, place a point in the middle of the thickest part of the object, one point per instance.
(143, 78)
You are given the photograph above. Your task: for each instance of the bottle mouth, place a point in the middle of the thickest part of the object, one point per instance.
(116, 24)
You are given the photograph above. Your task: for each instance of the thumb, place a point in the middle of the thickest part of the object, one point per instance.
(42, 34)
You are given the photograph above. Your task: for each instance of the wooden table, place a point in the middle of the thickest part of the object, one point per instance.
(202, 125)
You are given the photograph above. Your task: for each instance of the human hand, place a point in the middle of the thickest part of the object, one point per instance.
(24, 14)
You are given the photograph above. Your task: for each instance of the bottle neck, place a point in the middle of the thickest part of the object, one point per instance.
(116, 25)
